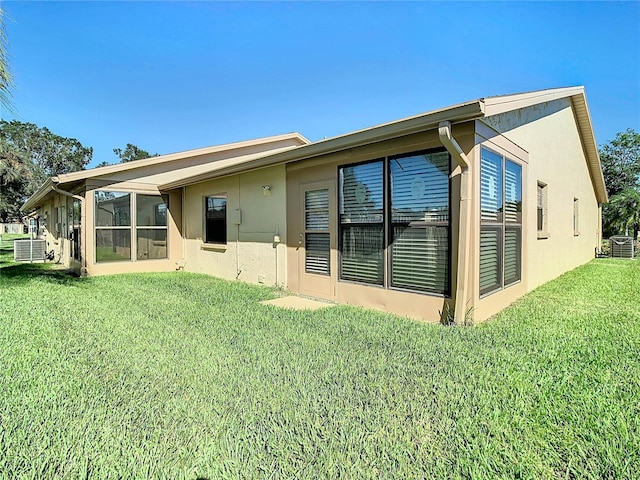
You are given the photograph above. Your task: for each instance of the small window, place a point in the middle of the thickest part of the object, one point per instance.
(216, 219)
(543, 229)
(576, 216)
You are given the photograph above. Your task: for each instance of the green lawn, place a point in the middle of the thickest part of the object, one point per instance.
(185, 376)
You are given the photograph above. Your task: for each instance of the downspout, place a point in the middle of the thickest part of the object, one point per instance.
(83, 225)
(183, 234)
(444, 132)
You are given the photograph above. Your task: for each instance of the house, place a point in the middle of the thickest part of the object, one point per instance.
(462, 209)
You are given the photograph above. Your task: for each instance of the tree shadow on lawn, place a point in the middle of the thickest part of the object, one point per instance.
(21, 273)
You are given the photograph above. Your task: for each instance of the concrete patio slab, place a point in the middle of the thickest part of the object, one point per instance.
(298, 303)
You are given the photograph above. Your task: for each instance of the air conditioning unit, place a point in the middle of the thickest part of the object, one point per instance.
(621, 247)
(29, 250)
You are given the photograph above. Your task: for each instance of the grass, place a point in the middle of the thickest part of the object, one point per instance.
(106, 254)
(180, 375)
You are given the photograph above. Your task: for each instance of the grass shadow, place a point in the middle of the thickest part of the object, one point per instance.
(18, 273)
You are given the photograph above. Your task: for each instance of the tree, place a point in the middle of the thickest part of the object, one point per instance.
(620, 160)
(6, 79)
(131, 152)
(49, 154)
(623, 212)
(28, 156)
(15, 175)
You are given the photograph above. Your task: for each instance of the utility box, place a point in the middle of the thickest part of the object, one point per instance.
(236, 216)
(621, 247)
(30, 250)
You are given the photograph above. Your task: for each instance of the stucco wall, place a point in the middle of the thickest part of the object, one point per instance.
(55, 230)
(250, 253)
(549, 133)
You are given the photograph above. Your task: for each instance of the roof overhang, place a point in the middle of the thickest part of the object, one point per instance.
(39, 195)
(589, 145)
(235, 150)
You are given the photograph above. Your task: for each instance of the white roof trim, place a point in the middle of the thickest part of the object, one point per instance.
(506, 103)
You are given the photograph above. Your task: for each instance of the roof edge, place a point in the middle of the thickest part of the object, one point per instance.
(590, 146)
(33, 201)
(505, 103)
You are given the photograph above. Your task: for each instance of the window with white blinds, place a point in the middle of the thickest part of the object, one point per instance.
(362, 222)
(316, 225)
(362, 253)
(399, 206)
(512, 255)
(512, 222)
(491, 187)
(500, 222)
(512, 192)
(490, 256)
(420, 221)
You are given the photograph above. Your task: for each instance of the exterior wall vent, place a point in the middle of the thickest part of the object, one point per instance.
(621, 247)
(29, 250)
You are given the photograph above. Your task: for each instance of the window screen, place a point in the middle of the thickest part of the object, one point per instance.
(112, 226)
(151, 227)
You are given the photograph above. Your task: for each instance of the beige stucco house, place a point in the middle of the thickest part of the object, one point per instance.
(460, 210)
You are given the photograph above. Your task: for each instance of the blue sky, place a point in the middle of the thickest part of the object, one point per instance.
(175, 76)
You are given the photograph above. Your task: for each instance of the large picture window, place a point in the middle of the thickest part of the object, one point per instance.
(500, 222)
(130, 226)
(394, 222)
